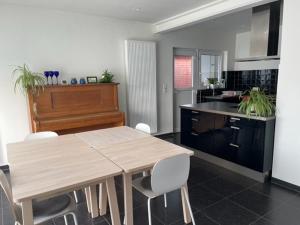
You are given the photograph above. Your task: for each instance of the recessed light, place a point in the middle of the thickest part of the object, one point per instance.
(137, 9)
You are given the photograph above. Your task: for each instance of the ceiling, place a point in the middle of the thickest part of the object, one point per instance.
(149, 11)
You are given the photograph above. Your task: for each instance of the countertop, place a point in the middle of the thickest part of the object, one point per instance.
(223, 108)
(221, 97)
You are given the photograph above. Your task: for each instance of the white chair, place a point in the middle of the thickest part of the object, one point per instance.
(43, 210)
(42, 135)
(167, 175)
(143, 127)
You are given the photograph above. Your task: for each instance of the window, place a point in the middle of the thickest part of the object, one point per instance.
(183, 72)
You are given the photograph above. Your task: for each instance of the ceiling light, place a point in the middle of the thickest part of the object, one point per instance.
(137, 9)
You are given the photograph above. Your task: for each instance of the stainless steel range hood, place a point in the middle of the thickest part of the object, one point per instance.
(264, 35)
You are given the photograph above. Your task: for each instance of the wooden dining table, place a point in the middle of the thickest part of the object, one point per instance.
(134, 152)
(49, 167)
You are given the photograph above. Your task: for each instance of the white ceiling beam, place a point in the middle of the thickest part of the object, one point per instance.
(209, 11)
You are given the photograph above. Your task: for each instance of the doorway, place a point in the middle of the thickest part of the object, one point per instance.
(191, 68)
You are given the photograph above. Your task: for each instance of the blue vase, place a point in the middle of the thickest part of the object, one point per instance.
(82, 81)
(74, 81)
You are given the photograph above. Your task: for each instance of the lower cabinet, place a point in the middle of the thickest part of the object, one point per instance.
(243, 141)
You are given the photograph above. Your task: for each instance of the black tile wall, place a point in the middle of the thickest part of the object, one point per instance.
(244, 80)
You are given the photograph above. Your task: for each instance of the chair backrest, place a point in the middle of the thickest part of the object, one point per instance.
(16, 211)
(143, 127)
(40, 135)
(170, 174)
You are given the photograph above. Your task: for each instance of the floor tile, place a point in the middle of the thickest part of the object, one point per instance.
(256, 202)
(201, 197)
(284, 215)
(275, 191)
(200, 219)
(228, 213)
(173, 212)
(200, 175)
(262, 222)
(223, 186)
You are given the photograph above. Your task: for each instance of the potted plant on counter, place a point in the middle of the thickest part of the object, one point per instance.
(212, 82)
(107, 77)
(27, 80)
(256, 103)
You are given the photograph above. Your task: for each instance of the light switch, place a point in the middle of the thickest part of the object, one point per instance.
(165, 88)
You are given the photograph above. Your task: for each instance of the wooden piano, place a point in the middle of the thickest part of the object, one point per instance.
(75, 108)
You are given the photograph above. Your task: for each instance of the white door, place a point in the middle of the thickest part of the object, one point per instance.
(185, 81)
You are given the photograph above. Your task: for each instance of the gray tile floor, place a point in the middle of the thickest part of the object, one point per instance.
(218, 196)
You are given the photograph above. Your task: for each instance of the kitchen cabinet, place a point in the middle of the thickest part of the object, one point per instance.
(244, 141)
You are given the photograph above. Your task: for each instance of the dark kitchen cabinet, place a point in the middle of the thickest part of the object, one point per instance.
(247, 142)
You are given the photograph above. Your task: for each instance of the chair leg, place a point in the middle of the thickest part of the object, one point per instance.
(165, 200)
(74, 218)
(66, 219)
(189, 205)
(149, 211)
(75, 196)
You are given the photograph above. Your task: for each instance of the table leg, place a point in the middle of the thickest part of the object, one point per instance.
(186, 212)
(27, 212)
(87, 197)
(94, 201)
(113, 202)
(128, 205)
(102, 199)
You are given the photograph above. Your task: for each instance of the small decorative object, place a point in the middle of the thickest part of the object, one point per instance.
(64, 82)
(107, 77)
(82, 81)
(51, 74)
(46, 74)
(91, 80)
(212, 82)
(74, 81)
(56, 74)
(256, 102)
(28, 80)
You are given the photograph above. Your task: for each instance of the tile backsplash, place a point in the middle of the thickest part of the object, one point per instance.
(243, 80)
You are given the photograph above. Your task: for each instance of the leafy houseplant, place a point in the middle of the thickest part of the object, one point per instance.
(28, 80)
(256, 102)
(107, 77)
(212, 80)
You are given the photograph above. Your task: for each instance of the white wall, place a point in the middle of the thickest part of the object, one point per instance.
(286, 164)
(82, 45)
(75, 44)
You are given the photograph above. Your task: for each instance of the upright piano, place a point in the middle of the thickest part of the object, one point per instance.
(75, 108)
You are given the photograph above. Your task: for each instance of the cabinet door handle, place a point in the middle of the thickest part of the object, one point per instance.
(195, 112)
(193, 119)
(235, 128)
(235, 118)
(233, 145)
(194, 134)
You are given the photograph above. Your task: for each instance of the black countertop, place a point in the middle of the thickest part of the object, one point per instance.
(223, 108)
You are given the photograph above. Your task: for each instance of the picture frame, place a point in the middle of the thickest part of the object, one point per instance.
(91, 80)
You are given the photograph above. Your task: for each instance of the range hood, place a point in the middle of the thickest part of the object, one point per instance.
(264, 35)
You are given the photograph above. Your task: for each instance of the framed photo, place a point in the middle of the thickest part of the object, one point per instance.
(91, 80)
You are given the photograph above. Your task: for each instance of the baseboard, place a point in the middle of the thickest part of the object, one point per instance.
(285, 184)
(260, 177)
(4, 168)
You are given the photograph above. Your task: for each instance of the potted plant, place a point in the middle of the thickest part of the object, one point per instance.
(256, 102)
(27, 80)
(106, 77)
(212, 82)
